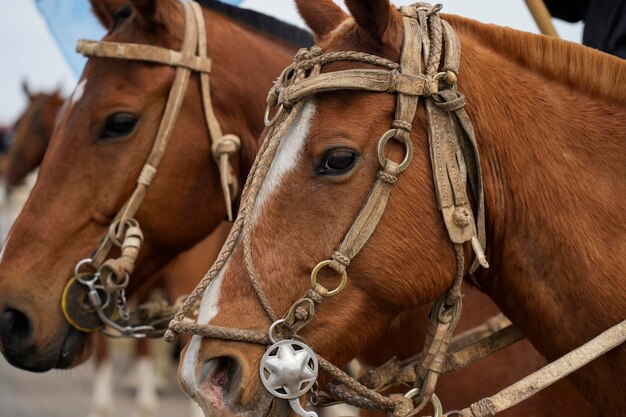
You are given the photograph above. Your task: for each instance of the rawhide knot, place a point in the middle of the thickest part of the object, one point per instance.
(115, 274)
(431, 86)
(285, 99)
(170, 336)
(272, 96)
(118, 230)
(482, 408)
(307, 54)
(404, 406)
(339, 262)
(147, 174)
(402, 124)
(301, 313)
(454, 295)
(341, 258)
(314, 295)
(394, 83)
(462, 216)
(228, 144)
(385, 177)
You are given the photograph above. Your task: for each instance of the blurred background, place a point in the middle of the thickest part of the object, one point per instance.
(29, 52)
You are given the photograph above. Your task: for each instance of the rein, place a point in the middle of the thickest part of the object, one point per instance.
(95, 296)
(454, 160)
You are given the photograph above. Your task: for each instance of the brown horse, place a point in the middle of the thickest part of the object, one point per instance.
(96, 152)
(31, 134)
(550, 133)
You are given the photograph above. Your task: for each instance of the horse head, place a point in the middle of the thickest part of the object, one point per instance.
(318, 168)
(31, 134)
(97, 157)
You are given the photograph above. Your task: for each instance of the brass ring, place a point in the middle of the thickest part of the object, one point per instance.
(342, 284)
(408, 147)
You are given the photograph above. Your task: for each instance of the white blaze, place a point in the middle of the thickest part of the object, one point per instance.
(208, 310)
(287, 154)
(286, 158)
(79, 91)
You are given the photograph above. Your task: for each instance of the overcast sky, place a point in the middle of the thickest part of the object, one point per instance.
(29, 52)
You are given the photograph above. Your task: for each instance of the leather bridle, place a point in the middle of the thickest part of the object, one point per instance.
(95, 296)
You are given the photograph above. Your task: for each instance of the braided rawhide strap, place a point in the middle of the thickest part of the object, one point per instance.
(424, 37)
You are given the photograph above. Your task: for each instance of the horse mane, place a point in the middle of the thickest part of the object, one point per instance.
(582, 68)
(286, 32)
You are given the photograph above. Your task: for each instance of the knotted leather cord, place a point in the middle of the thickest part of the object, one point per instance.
(454, 158)
(125, 231)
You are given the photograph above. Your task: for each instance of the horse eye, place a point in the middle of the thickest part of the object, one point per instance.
(118, 124)
(337, 161)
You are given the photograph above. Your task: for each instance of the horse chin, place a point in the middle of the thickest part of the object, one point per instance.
(75, 350)
(273, 407)
(279, 408)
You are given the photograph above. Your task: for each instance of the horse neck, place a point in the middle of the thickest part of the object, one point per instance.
(552, 157)
(245, 64)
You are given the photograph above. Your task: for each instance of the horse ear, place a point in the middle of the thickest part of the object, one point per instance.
(151, 13)
(26, 89)
(105, 10)
(377, 20)
(321, 16)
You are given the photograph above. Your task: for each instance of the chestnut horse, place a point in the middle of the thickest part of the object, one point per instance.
(31, 134)
(550, 118)
(96, 151)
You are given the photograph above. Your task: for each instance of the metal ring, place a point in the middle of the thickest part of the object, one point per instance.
(342, 284)
(266, 120)
(272, 327)
(77, 272)
(102, 290)
(408, 147)
(434, 400)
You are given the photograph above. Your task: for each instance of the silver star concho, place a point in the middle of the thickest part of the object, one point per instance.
(288, 369)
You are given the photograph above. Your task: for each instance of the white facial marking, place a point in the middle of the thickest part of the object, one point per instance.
(287, 154)
(79, 91)
(4, 246)
(208, 310)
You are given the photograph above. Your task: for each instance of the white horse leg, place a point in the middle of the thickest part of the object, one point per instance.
(102, 396)
(146, 398)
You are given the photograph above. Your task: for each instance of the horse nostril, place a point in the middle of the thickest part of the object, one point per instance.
(15, 331)
(221, 375)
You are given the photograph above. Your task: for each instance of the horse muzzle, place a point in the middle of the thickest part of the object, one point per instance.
(20, 347)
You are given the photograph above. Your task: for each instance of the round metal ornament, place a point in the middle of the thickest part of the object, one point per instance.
(289, 370)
